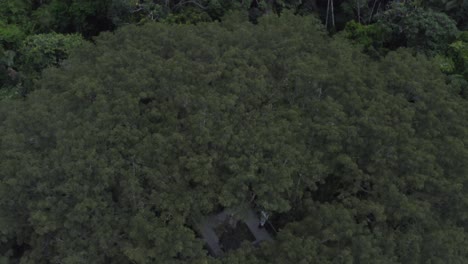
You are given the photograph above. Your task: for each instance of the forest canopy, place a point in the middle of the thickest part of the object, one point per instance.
(116, 154)
(36, 34)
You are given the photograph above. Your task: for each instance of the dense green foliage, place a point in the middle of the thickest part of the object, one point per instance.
(380, 26)
(43, 50)
(356, 143)
(119, 151)
(425, 30)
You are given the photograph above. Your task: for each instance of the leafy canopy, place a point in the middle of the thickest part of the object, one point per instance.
(118, 152)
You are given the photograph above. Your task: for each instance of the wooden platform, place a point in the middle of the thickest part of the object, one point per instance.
(208, 225)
